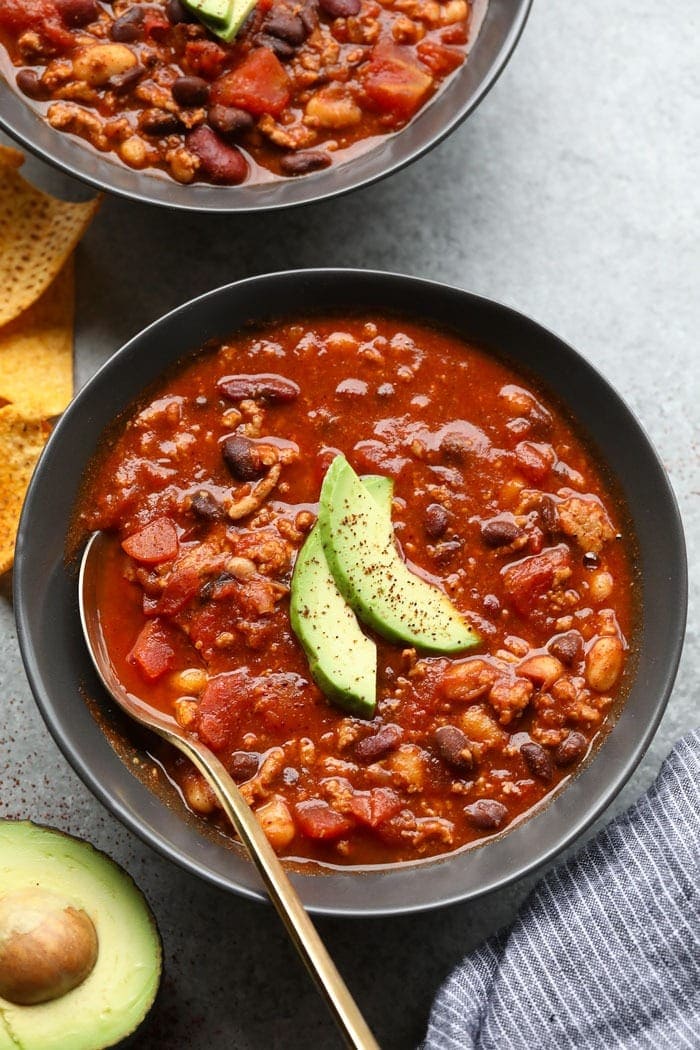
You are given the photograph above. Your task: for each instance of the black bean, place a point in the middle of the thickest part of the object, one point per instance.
(549, 515)
(128, 27)
(121, 82)
(571, 749)
(287, 27)
(340, 8)
(228, 120)
(305, 162)
(486, 813)
(591, 560)
(220, 162)
(243, 765)
(177, 12)
(453, 748)
(371, 748)
(242, 459)
(77, 13)
(190, 91)
(29, 84)
(267, 388)
(309, 15)
(436, 520)
(499, 532)
(567, 647)
(158, 122)
(537, 760)
(206, 506)
(281, 48)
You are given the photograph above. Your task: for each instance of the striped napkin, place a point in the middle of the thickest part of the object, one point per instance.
(606, 950)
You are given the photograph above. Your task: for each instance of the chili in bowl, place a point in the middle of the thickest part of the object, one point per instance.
(306, 100)
(496, 694)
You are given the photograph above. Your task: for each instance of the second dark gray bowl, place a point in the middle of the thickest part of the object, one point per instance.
(58, 664)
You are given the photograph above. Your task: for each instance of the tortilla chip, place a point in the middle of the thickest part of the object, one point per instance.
(21, 440)
(37, 234)
(36, 351)
(12, 158)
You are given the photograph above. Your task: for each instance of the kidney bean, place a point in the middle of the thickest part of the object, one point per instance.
(220, 161)
(241, 458)
(204, 505)
(228, 120)
(190, 91)
(77, 13)
(266, 388)
(128, 27)
(486, 813)
(29, 84)
(304, 162)
(123, 81)
(436, 520)
(243, 765)
(177, 12)
(158, 122)
(371, 748)
(499, 532)
(287, 27)
(453, 748)
(567, 647)
(340, 8)
(538, 761)
(549, 516)
(571, 749)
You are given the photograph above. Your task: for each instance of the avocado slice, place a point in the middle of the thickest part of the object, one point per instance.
(227, 18)
(48, 879)
(359, 544)
(343, 661)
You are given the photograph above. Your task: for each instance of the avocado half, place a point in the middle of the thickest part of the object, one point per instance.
(70, 918)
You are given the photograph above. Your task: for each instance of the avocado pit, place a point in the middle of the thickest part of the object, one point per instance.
(47, 946)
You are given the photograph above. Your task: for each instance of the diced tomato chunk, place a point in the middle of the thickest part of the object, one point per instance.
(317, 820)
(155, 24)
(221, 705)
(528, 579)
(155, 543)
(153, 651)
(375, 807)
(440, 60)
(204, 58)
(259, 85)
(40, 15)
(395, 83)
(534, 460)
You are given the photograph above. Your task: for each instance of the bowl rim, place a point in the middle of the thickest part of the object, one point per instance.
(101, 171)
(675, 616)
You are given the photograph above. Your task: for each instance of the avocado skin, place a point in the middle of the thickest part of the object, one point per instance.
(343, 664)
(54, 855)
(370, 574)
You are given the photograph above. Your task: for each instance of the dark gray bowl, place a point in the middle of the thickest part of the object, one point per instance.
(57, 661)
(500, 31)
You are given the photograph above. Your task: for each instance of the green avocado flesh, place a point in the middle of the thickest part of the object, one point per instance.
(222, 17)
(343, 660)
(358, 541)
(115, 997)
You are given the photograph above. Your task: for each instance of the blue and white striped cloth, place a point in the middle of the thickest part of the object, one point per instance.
(606, 950)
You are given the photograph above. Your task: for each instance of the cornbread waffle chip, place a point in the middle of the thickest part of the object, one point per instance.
(36, 351)
(37, 234)
(21, 440)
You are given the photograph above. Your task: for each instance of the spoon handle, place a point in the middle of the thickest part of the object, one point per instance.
(299, 926)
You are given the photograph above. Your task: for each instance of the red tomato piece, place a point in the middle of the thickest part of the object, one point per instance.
(375, 807)
(155, 543)
(39, 15)
(156, 25)
(440, 60)
(153, 652)
(222, 703)
(528, 579)
(259, 85)
(204, 58)
(317, 820)
(395, 83)
(534, 460)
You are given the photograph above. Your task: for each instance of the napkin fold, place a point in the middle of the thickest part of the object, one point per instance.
(605, 952)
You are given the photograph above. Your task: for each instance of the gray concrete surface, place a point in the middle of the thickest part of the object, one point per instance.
(573, 194)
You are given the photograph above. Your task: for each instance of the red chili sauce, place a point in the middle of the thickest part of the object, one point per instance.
(210, 488)
(304, 84)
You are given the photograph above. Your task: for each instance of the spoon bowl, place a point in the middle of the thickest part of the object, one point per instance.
(278, 887)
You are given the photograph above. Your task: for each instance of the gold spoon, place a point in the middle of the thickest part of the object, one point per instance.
(280, 890)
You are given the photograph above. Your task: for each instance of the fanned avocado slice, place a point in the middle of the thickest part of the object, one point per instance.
(343, 660)
(80, 955)
(359, 544)
(224, 18)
